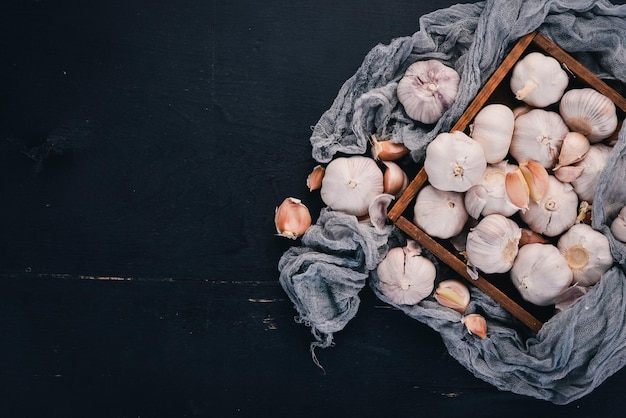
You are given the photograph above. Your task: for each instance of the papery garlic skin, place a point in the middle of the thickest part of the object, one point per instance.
(587, 253)
(593, 164)
(493, 129)
(454, 162)
(540, 273)
(406, 277)
(618, 225)
(589, 112)
(427, 89)
(492, 245)
(453, 294)
(555, 212)
(292, 218)
(489, 196)
(538, 80)
(538, 136)
(377, 210)
(350, 184)
(439, 213)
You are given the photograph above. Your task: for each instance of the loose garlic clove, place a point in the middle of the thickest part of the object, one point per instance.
(587, 253)
(476, 325)
(574, 148)
(568, 173)
(618, 225)
(292, 218)
(314, 180)
(555, 212)
(517, 189)
(427, 89)
(387, 150)
(454, 162)
(378, 210)
(589, 112)
(395, 180)
(492, 245)
(531, 237)
(536, 177)
(453, 294)
(489, 196)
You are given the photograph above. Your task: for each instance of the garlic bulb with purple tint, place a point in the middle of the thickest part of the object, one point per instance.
(538, 80)
(427, 89)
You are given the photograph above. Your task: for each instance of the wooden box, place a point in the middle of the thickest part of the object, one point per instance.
(497, 90)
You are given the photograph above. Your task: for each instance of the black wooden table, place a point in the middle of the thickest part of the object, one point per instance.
(143, 148)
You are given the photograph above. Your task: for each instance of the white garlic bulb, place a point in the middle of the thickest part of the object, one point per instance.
(538, 135)
(538, 80)
(493, 129)
(618, 225)
(454, 162)
(427, 89)
(555, 212)
(350, 184)
(489, 196)
(439, 213)
(540, 273)
(587, 253)
(589, 112)
(592, 166)
(492, 245)
(405, 276)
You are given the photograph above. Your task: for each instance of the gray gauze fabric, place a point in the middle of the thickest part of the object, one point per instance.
(578, 348)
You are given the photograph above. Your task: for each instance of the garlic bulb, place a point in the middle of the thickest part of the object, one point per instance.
(493, 129)
(538, 80)
(568, 173)
(589, 112)
(453, 294)
(538, 136)
(439, 213)
(593, 164)
(351, 183)
(427, 89)
(292, 218)
(492, 245)
(555, 212)
(454, 162)
(540, 273)
(489, 196)
(405, 276)
(618, 225)
(573, 149)
(587, 253)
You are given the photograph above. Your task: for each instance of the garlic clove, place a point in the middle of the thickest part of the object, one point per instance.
(314, 180)
(378, 210)
(386, 150)
(517, 189)
(292, 218)
(476, 325)
(522, 109)
(453, 294)
(395, 180)
(531, 237)
(589, 112)
(568, 173)
(618, 225)
(536, 177)
(573, 149)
